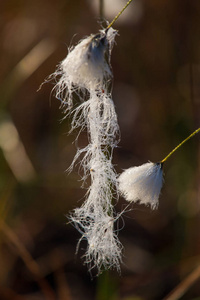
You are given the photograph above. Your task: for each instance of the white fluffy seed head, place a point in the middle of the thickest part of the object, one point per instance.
(85, 68)
(86, 72)
(142, 184)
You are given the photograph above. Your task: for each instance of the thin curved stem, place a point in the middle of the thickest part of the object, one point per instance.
(119, 14)
(177, 147)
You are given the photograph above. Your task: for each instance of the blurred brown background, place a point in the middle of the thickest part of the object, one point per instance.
(156, 91)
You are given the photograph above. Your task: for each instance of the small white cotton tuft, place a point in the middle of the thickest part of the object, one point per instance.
(142, 183)
(85, 68)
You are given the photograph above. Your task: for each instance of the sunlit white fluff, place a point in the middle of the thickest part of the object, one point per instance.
(104, 249)
(98, 116)
(85, 68)
(142, 184)
(93, 218)
(86, 73)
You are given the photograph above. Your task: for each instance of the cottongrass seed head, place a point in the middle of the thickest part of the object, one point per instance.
(104, 249)
(85, 68)
(86, 72)
(142, 184)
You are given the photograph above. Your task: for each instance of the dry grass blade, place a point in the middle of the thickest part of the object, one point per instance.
(28, 260)
(26, 67)
(62, 285)
(182, 288)
(14, 152)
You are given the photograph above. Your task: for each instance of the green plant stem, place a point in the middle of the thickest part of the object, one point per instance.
(119, 14)
(177, 147)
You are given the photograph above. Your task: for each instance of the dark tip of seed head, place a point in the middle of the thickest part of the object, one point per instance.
(106, 31)
(160, 164)
(97, 45)
(98, 40)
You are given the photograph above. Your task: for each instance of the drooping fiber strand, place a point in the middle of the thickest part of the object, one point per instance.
(86, 72)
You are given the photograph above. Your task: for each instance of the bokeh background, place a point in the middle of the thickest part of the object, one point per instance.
(156, 90)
